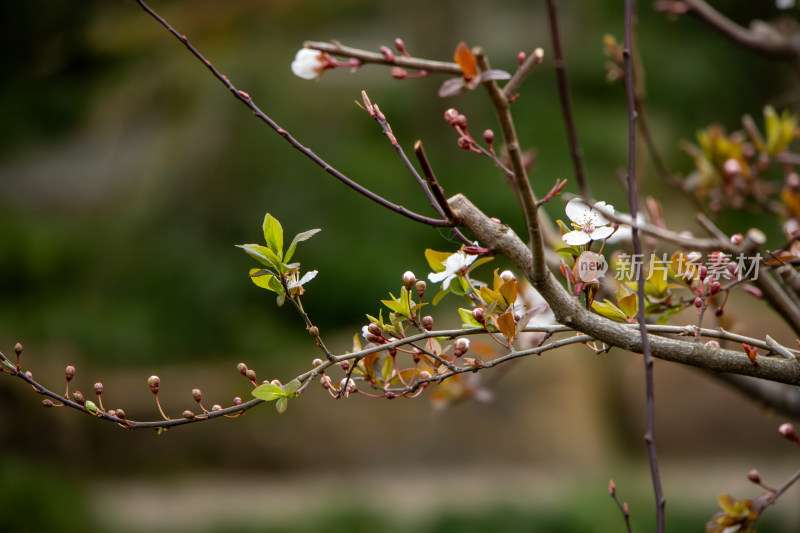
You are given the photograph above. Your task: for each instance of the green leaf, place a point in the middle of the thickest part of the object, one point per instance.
(8, 366)
(90, 406)
(281, 405)
(629, 304)
(269, 392)
(262, 254)
(273, 235)
(300, 237)
(468, 321)
(609, 310)
(266, 280)
(291, 387)
(436, 259)
(479, 262)
(438, 297)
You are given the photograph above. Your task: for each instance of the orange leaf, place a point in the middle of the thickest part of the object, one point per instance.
(506, 325)
(465, 60)
(751, 353)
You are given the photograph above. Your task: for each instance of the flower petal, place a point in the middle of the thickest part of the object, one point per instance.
(447, 281)
(436, 277)
(601, 233)
(600, 220)
(576, 238)
(576, 210)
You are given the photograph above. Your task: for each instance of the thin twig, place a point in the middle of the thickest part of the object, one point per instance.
(522, 72)
(248, 101)
(365, 56)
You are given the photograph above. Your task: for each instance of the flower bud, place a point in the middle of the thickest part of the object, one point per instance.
(788, 432)
(47, 402)
(390, 395)
(538, 53)
(477, 314)
(313, 331)
(461, 346)
(98, 388)
(521, 58)
(250, 374)
(464, 143)
(237, 401)
(316, 362)
(714, 287)
(421, 286)
(737, 239)
(112, 413)
(507, 275)
(754, 477)
(488, 136)
(427, 322)
(216, 407)
(702, 272)
(718, 311)
(424, 375)
(409, 279)
(69, 373)
(713, 344)
(78, 397)
(325, 381)
(197, 395)
(374, 339)
(154, 382)
(698, 302)
(188, 414)
(18, 349)
(755, 292)
(276, 382)
(345, 365)
(732, 167)
(451, 116)
(387, 53)
(242, 368)
(400, 45)
(375, 329)
(120, 414)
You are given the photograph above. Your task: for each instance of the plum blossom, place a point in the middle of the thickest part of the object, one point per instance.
(309, 64)
(454, 266)
(589, 224)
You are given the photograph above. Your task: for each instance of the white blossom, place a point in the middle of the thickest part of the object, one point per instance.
(454, 266)
(308, 64)
(784, 4)
(589, 223)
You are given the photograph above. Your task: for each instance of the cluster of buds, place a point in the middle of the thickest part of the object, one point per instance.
(465, 140)
(461, 347)
(248, 373)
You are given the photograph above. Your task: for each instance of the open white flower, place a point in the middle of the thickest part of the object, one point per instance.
(454, 266)
(309, 64)
(589, 224)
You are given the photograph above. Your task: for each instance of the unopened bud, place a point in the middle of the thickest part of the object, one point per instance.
(507, 275)
(390, 395)
(78, 397)
(461, 346)
(788, 432)
(464, 143)
(521, 58)
(242, 368)
(276, 382)
(409, 279)
(714, 287)
(216, 407)
(400, 45)
(374, 339)
(488, 136)
(698, 302)
(718, 311)
(398, 73)
(250, 374)
(69, 373)
(387, 53)
(154, 382)
(345, 365)
(424, 375)
(713, 344)
(427, 322)
(313, 331)
(702, 272)
(188, 414)
(754, 477)
(120, 414)
(421, 286)
(197, 395)
(539, 53)
(47, 402)
(112, 413)
(477, 314)
(451, 116)
(612, 488)
(316, 362)
(732, 167)
(737, 239)
(237, 401)
(18, 349)
(98, 388)
(375, 329)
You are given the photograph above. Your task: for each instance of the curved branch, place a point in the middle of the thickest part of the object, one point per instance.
(569, 312)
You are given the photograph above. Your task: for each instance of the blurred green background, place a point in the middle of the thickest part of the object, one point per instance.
(127, 174)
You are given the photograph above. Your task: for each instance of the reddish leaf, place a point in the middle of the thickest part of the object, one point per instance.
(465, 60)
(506, 325)
(752, 352)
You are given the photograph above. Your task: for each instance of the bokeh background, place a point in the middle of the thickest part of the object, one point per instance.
(128, 174)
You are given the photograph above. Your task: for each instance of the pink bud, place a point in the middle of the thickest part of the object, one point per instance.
(754, 477)
(387, 53)
(755, 292)
(521, 58)
(737, 239)
(242, 368)
(788, 432)
(197, 395)
(398, 73)
(698, 302)
(421, 286)
(18, 349)
(409, 279)
(714, 287)
(69, 373)
(477, 314)
(451, 116)
(488, 136)
(427, 322)
(154, 382)
(98, 388)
